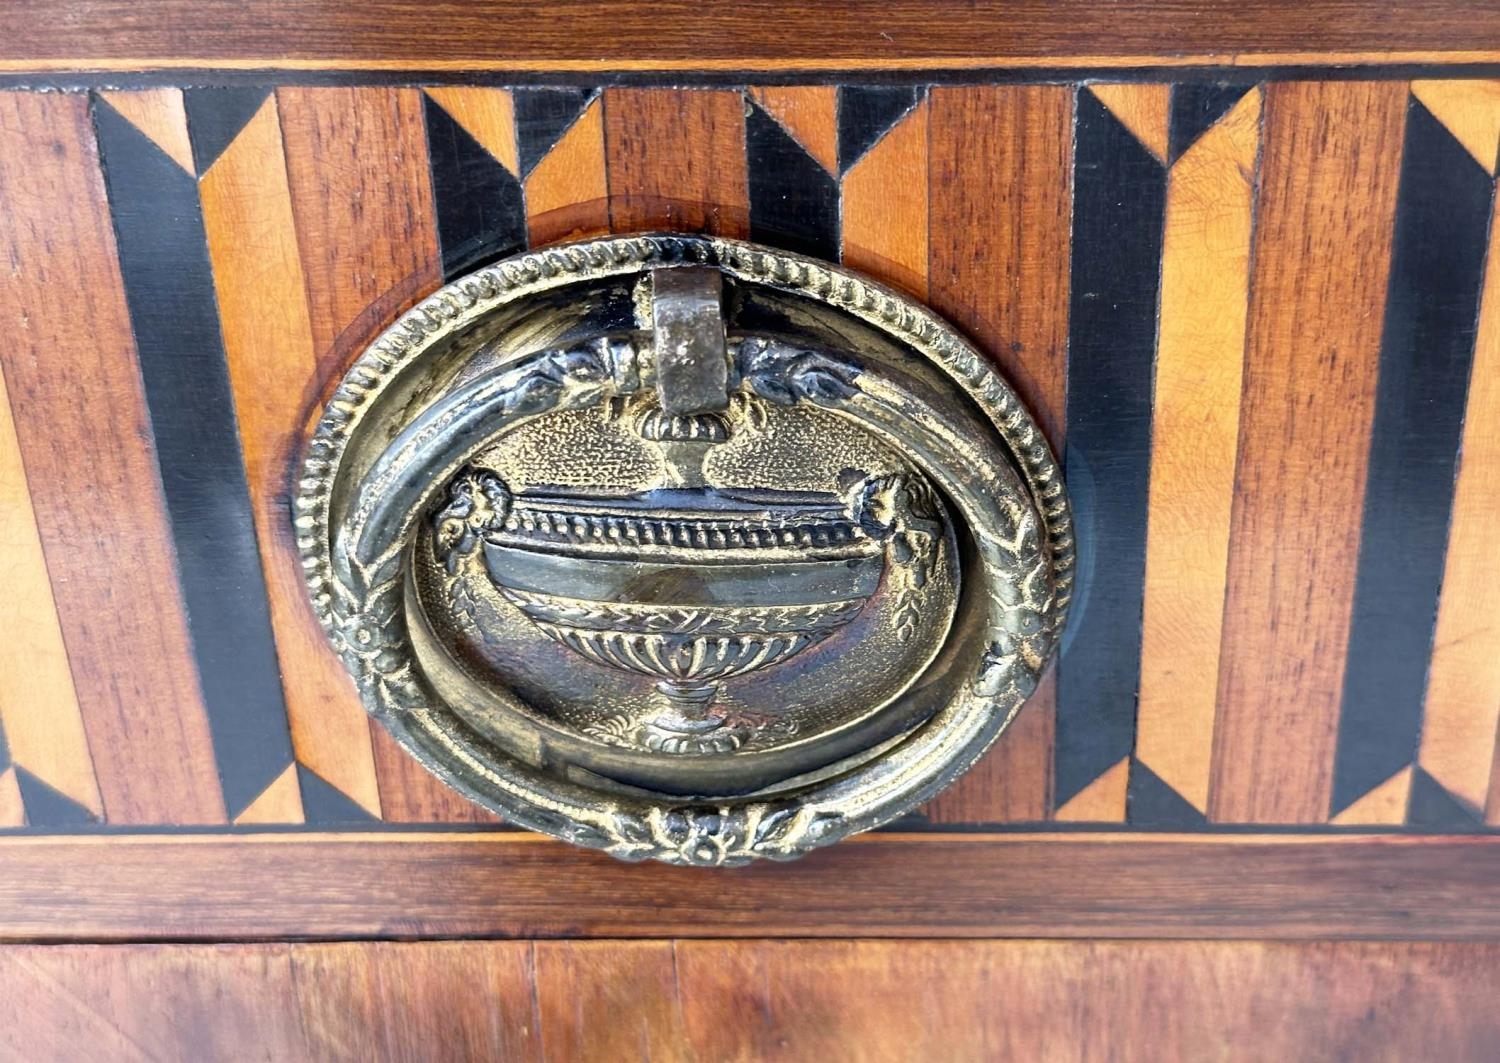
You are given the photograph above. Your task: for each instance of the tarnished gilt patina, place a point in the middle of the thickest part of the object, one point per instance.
(683, 548)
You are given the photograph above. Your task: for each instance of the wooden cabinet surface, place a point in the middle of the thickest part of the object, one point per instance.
(1241, 263)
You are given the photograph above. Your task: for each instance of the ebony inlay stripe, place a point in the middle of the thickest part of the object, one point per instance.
(1437, 263)
(1195, 108)
(169, 290)
(480, 211)
(1150, 802)
(794, 202)
(323, 804)
(1433, 810)
(1119, 200)
(542, 117)
(47, 807)
(215, 117)
(866, 113)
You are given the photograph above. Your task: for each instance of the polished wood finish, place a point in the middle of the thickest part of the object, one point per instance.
(749, 35)
(442, 885)
(885, 207)
(1245, 386)
(362, 202)
(1195, 441)
(1462, 709)
(567, 194)
(38, 701)
(675, 160)
(1206, 242)
(753, 1000)
(362, 198)
(322, 209)
(810, 113)
(999, 271)
(272, 358)
(76, 396)
(1326, 208)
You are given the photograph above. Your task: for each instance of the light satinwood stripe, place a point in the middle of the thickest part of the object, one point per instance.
(1205, 278)
(1321, 255)
(1383, 806)
(1462, 708)
(488, 115)
(1492, 808)
(80, 418)
(885, 231)
(12, 811)
(676, 161)
(273, 369)
(810, 114)
(999, 269)
(1101, 801)
(567, 196)
(38, 705)
(160, 115)
(361, 196)
(1145, 110)
(281, 802)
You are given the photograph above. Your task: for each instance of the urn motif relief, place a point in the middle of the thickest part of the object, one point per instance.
(685, 549)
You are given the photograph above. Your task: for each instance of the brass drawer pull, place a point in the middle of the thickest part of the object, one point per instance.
(684, 548)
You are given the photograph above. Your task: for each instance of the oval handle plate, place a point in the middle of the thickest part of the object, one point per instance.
(683, 548)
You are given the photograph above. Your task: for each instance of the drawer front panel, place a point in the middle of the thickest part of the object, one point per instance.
(1259, 321)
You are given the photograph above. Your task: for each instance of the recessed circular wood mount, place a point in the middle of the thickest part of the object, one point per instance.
(684, 548)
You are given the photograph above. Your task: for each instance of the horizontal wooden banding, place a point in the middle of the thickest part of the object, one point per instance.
(748, 35)
(192, 887)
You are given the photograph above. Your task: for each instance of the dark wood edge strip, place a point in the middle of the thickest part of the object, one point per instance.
(417, 886)
(664, 34)
(1393, 67)
(86, 75)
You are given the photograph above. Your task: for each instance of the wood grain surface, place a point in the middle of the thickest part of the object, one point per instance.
(202, 887)
(77, 399)
(273, 366)
(1325, 211)
(362, 202)
(1186, 279)
(999, 271)
(749, 35)
(567, 194)
(676, 160)
(1462, 706)
(753, 1000)
(885, 206)
(1195, 442)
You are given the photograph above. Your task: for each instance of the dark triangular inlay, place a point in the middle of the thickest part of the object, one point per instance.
(1195, 108)
(46, 807)
(542, 117)
(1434, 809)
(867, 113)
(1150, 802)
(324, 804)
(794, 202)
(1433, 293)
(169, 290)
(480, 212)
(215, 117)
